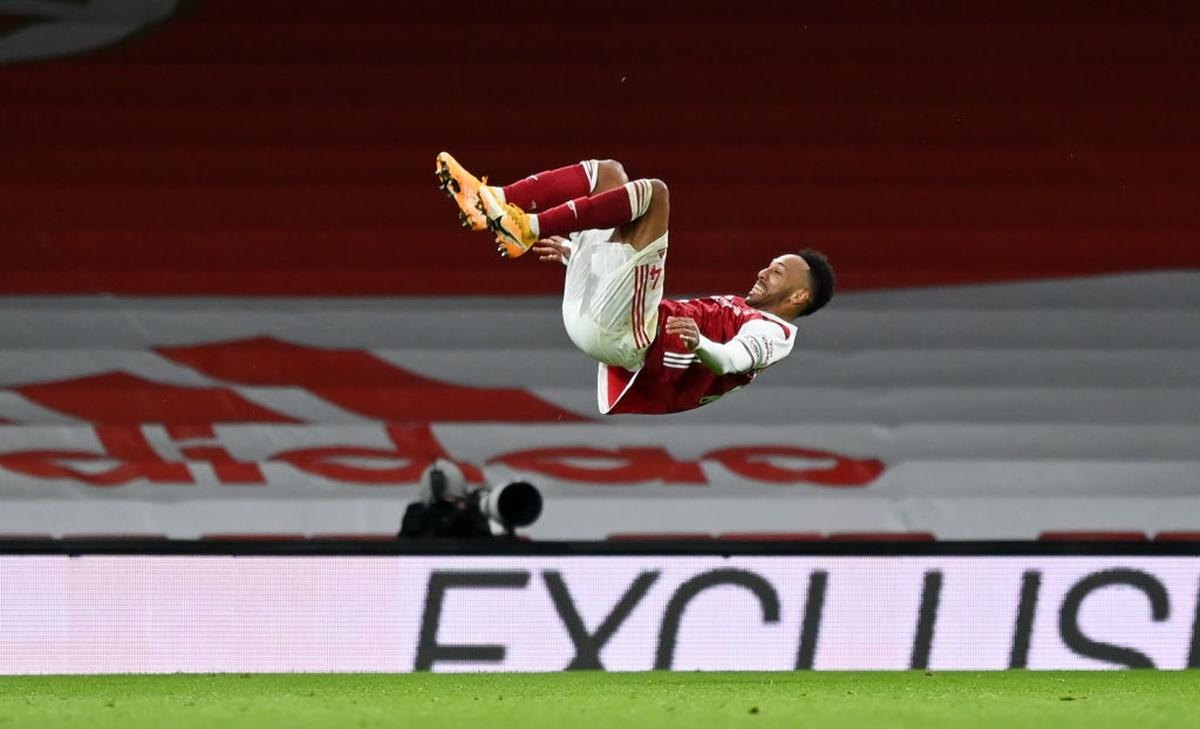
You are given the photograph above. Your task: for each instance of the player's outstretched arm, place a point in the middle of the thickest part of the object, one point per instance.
(720, 358)
(756, 345)
(723, 359)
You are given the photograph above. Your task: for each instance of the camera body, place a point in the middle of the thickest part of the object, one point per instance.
(443, 480)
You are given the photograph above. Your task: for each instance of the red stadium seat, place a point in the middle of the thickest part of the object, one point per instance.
(771, 536)
(1092, 536)
(660, 537)
(254, 537)
(1182, 536)
(353, 537)
(881, 537)
(114, 537)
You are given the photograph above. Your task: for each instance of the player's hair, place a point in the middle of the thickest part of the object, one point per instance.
(822, 279)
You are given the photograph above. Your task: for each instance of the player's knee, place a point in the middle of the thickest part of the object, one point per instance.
(659, 198)
(610, 174)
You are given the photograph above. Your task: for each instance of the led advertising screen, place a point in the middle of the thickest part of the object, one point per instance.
(391, 613)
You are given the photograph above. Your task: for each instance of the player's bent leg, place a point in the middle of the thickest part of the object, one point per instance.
(516, 230)
(505, 209)
(610, 303)
(544, 190)
(538, 191)
(613, 287)
(610, 174)
(548, 189)
(652, 224)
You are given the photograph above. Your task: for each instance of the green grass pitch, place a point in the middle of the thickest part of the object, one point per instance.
(1138, 699)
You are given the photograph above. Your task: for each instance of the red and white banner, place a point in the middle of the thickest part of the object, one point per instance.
(946, 411)
(188, 482)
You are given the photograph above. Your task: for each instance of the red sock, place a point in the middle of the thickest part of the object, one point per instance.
(555, 187)
(607, 210)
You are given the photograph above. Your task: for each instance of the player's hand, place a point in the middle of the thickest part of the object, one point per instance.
(685, 328)
(553, 248)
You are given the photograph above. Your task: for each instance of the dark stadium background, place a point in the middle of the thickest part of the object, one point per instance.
(278, 147)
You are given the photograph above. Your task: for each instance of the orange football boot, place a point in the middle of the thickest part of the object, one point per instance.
(514, 233)
(464, 188)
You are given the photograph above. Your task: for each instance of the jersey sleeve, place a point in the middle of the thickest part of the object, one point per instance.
(765, 341)
(723, 358)
(757, 344)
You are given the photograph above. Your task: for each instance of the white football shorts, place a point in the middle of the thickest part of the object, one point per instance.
(611, 297)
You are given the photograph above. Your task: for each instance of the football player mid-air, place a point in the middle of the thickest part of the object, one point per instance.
(656, 355)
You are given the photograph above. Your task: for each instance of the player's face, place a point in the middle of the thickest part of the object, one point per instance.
(779, 280)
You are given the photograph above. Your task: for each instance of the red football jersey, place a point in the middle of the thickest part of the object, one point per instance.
(673, 378)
